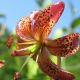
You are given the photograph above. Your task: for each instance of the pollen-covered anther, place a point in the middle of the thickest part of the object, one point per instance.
(10, 41)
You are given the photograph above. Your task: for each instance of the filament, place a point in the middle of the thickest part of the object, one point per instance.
(26, 61)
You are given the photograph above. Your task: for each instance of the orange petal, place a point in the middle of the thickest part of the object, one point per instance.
(23, 31)
(23, 28)
(65, 46)
(9, 42)
(2, 62)
(52, 69)
(46, 19)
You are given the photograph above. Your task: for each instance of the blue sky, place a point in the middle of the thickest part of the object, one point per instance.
(16, 9)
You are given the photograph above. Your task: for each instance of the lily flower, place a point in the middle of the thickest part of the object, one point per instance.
(32, 39)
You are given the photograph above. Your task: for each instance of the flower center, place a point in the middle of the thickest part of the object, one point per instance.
(34, 47)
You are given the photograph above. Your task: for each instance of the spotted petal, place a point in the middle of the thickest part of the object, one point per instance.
(64, 46)
(51, 69)
(24, 37)
(46, 19)
(23, 29)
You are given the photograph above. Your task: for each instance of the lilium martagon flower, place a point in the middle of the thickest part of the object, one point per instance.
(32, 39)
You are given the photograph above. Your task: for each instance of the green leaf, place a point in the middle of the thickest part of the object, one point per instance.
(75, 23)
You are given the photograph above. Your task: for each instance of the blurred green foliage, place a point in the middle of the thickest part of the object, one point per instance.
(43, 3)
(75, 23)
(40, 2)
(31, 71)
(72, 64)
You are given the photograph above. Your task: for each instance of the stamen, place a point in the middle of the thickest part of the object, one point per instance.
(32, 48)
(79, 43)
(10, 41)
(29, 42)
(26, 62)
(23, 49)
(15, 53)
(37, 57)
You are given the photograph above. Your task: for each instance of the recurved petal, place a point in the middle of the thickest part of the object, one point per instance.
(51, 69)
(46, 19)
(65, 46)
(56, 11)
(23, 29)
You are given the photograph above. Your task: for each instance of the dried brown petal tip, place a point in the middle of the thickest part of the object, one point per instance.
(17, 76)
(9, 42)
